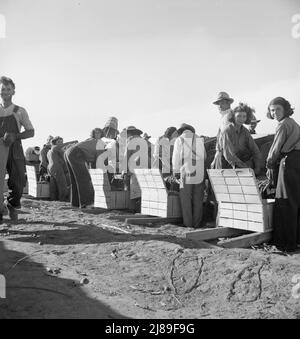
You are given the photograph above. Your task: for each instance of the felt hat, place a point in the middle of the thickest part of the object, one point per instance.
(132, 130)
(223, 96)
(146, 136)
(185, 127)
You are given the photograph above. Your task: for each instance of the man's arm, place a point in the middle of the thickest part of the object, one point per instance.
(25, 135)
(26, 123)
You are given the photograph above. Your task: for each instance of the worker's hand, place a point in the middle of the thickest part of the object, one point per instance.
(9, 138)
(42, 171)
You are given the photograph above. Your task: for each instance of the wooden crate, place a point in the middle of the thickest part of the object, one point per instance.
(36, 189)
(155, 198)
(240, 203)
(104, 196)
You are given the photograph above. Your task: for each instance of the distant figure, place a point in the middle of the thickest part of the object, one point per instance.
(147, 138)
(43, 157)
(253, 125)
(32, 155)
(188, 164)
(133, 134)
(163, 151)
(223, 102)
(58, 171)
(110, 130)
(77, 158)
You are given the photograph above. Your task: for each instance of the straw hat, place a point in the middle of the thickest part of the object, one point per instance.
(111, 125)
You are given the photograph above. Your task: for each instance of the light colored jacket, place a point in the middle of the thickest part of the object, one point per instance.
(188, 157)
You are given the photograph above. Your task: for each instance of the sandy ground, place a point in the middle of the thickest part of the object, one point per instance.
(139, 272)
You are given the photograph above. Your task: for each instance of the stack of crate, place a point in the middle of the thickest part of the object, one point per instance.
(36, 189)
(239, 200)
(156, 200)
(105, 197)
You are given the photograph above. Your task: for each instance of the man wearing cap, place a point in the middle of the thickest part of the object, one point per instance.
(223, 102)
(188, 164)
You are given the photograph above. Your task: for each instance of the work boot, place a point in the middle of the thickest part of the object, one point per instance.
(12, 212)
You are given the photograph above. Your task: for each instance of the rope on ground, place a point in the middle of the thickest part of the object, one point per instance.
(39, 289)
(20, 260)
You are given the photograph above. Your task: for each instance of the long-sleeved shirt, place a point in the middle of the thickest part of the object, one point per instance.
(43, 157)
(56, 162)
(226, 119)
(189, 156)
(287, 139)
(238, 146)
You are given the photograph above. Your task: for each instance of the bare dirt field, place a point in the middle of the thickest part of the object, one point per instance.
(61, 262)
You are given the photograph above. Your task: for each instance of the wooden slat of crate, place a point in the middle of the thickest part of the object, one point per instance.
(155, 199)
(244, 200)
(36, 189)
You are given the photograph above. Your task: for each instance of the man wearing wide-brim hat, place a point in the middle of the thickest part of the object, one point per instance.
(223, 102)
(188, 164)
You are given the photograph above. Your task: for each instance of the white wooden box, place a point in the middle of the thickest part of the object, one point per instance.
(156, 200)
(240, 203)
(104, 196)
(36, 189)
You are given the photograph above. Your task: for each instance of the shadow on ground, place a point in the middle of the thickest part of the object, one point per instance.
(76, 234)
(32, 293)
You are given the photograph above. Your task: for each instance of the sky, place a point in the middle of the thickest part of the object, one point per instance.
(151, 63)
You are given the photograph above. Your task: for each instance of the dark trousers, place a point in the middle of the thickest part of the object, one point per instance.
(191, 197)
(286, 215)
(82, 190)
(16, 182)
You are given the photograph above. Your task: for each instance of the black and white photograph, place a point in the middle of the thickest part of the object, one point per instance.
(149, 162)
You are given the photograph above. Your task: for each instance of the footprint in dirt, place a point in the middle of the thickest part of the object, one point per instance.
(185, 273)
(247, 285)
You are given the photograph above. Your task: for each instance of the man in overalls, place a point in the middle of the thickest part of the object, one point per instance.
(12, 118)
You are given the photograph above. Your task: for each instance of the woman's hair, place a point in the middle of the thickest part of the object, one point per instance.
(245, 108)
(55, 140)
(288, 110)
(7, 81)
(94, 131)
(169, 132)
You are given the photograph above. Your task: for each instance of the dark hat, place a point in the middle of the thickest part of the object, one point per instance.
(185, 127)
(146, 136)
(132, 130)
(169, 132)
